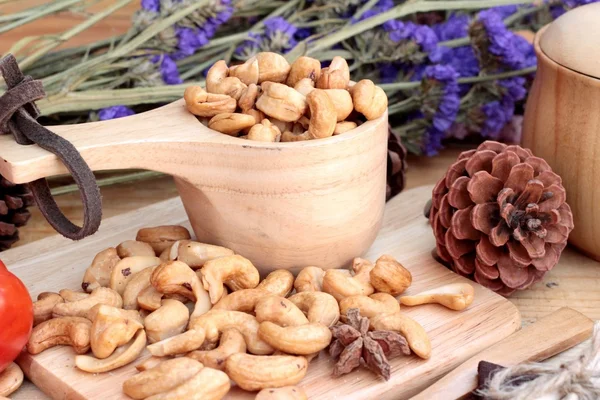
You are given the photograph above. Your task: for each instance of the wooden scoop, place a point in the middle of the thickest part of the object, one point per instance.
(549, 336)
(282, 205)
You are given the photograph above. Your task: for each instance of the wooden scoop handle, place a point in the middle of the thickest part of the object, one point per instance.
(152, 140)
(549, 336)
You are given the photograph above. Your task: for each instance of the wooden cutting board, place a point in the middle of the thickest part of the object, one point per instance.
(56, 263)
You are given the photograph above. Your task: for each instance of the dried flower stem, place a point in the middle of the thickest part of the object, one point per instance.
(39, 12)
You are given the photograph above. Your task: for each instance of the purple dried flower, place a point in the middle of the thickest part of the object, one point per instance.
(494, 120)
(114, 112)
(388, 73)
(151, 5)
(168, 69)
(455, 27)
(514, 88)
(380, 7)
(279, 36)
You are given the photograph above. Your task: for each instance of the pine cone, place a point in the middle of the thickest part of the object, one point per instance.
(14, 200)
(396, 166)
(499, 217)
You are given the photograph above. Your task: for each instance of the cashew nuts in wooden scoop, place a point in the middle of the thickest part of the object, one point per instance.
(279, 282)
(235, 271)
(415, 335)
(455, 296)
(318, 306)
(284, 393)
(259, 372)
(71, 331)
(10, 379)
(80, 308)
(231, 342)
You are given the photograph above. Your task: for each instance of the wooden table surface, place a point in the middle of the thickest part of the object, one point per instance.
(577, 286)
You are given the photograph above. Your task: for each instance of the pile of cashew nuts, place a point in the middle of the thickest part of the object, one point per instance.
(267, 99)
(206, 318)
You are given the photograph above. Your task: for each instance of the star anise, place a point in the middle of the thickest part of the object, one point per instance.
(355, 345)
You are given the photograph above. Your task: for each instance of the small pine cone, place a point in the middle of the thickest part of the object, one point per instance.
(499, 217)
(396, 165)
(14, 200)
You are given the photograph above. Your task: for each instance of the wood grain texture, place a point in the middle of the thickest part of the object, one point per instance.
(282, 205)
(561, 125)
(552, 334)
(405, 234)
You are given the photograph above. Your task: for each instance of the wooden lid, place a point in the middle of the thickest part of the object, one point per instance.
(573, 40)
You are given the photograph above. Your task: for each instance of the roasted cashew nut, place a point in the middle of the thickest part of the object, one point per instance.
(246, 72)
(69, 295)
(121, 356)
(415, 335)
(304, 68)
(169, 320)
(339, 284)
(231, 123)
(98, 273)
(195, 254)
(150, 363)
(203, 104)
(111, 328)
(164, 376)
(369, 100)
(272, 67)
(336, 76)
(10, 379)
(264, 132)
(138, 282)
(343, 127)
(131, 248)
(259, 372)
(215, 76)
(231, 342)
(149, 298)
(216, 321)
(162, 237)
(370, 306)
(281, 102)
(342, 101)
(301, 339)
(80, 308)
(178, 344)
(288, 136)
(323, 115)
(279, 282)
(280, 311)
(389, 276)
(305, 86)
(70, 331)
(235, 271)
(124, 271)
(208, 384)
(42, 308)
(242, 300)
(175, 277)
(319, 307)
(284, 393)
(455, 296)
(310, 279)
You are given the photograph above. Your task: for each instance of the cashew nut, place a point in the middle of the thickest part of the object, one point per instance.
(370, 306)
(169, 320)
(257, 115)
(204, 104)
(176, 277)
(150, 363)
(264, 132)
(216, 321)
(231, 123)
(246, 72)
(121, 356)
(280, 311)
(282, 125)
(111, 328)
(208, 384)
(369, 100)
(343, 127)
(217, 81)
(149, 298)
(248, 98)
(10, 379)
(124, 271)
(281, 102)
(130, 248)
(305, 86)
(390, 276)
(455, 296)
(178, 344)
(128, 314)
(162, 237)
(69, 295)
(235, 271)
(284, 393)
(42, 308)
(318, 306)
(342, 101)
(258, 372)
(80, 308)
(231, 342)
(242, 300)
(339, 284)
(288, 136)
(323, 116)
(139, 281)
(272, 67)
(336, 76)
(304, 68)
(98, 273)
(300, 339)
(279, 282)
(310, 279)
(161, 378)
(71, 331)
(414, 333)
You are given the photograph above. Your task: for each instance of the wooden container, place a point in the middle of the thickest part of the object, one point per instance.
(282, 205)
(562, 116)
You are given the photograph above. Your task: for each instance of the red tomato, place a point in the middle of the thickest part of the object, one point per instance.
(16, 316)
